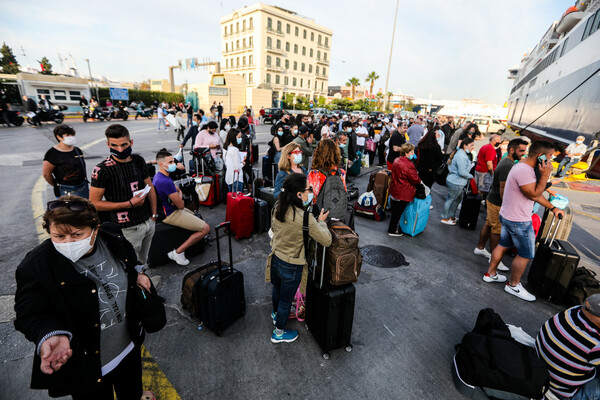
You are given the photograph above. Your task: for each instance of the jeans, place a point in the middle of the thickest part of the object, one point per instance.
(453, 199)
(81, 190)
(564, 166)
(163, 122)
(285, 278)
(236, 186)
(190, 119)
(590, 390)
(398, 207)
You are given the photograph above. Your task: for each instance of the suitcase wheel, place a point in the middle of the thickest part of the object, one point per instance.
(349, 348)
(326, 356)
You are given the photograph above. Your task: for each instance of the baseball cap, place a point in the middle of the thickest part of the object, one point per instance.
(386, 120)
(592, 305)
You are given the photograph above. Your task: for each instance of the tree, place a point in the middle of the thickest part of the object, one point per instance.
(379, 98)
(354, 82)
(8, 62)
(45, 66)
(321, 102)
(372, 77)
(389, 95)
(145, 85)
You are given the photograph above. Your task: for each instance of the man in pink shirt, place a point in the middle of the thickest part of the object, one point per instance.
(209, 138)
(521, 191)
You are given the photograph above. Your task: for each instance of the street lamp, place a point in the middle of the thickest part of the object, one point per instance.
(92, 79)
(387, 78)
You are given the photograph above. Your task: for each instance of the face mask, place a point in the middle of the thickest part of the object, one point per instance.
(297, 158)
(348, 130)
(413, 157)
(239, 140)
(121, 155)
(496, 144)
(310, 199)
(342, 145)
(171, 167)
(295, 131)
(280, 133)
(579, 141)
(467, 151)
(195, 123)
(211, 132)
(70, 140)
(504, 147)
(227, 127)
(75, 250)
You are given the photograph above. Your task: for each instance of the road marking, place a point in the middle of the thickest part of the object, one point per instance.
(388, 329)
(586, 214)
(152, 376)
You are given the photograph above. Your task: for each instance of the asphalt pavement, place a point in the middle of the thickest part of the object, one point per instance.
(408, 318)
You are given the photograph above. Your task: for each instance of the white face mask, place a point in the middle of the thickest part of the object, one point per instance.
(579, 141)
(70, 140)
(75, 250)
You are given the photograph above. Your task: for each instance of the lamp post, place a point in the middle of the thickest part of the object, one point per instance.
(92, 79)
(387, 78)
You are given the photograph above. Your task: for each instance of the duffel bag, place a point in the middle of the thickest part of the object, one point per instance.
(583, 284)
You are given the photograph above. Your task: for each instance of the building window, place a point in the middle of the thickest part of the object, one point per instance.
(250, 77)
(317, 70)
(286, 81)
(244, 26)
(303, 50)
(315, 85)
(250, 60)
(225, 31)
(226, 47)
(295, 65)
(318, 54)
(304, 34)
(268, 61)
(278, 62)
(295, 49)
(324, 71)
(269, 42)
(251, 26)
(310, 68)
(268, 78)
(278, 44)
(308, 84)
(301, 82)
(277, 81)
(312, 39)
(269, 23)
(75, 95)
(244, 76)
(244, 61)
(303, 67)
(321, 86)
(226, 64)
(287, 46)
(232, 45)
(296, 31)
(237, 62)
(250, 41)
(279, 27)
(287, 64)
(319, 40)
(60, 95)
(231, 29)
(311, 52)
(325, 56)
(326, 41)
(294, 81)
(288, 29)
(237, 44)
(237, 27)
(244, 43)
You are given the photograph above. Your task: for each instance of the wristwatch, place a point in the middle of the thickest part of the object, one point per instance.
(154, 215)
(552, 209)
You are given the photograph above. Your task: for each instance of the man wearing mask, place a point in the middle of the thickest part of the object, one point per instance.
(307, 146)
(193, 131)
(209, 138)
(284, 123)
(341, 139)
(121, 185)
(396, 141)
(574, 152)
(521, 191)
(415, 132)
(486, 164)
(448, 129)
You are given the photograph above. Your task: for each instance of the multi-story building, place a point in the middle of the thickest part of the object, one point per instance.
(277, 49)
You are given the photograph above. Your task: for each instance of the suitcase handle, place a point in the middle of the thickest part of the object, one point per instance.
(220, 262)
(317, 264)
(555, 229)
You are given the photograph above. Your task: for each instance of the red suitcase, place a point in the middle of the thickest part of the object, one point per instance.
(213, 195)
(240, 212)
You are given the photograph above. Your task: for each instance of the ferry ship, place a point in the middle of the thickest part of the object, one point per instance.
(556, 93)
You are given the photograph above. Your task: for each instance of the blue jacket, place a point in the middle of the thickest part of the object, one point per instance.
(279, 181)
(460, 168)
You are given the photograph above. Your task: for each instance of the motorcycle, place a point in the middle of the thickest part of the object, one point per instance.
(14, 117)
(117, 112)
(54, 114)
(96, 114)
(146, 112)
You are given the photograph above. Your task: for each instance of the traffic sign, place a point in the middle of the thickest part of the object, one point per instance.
(119, 93)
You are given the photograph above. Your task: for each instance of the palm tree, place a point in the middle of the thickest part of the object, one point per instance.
(354, 82)
(372, 77)
(379, 98)
(389, 95)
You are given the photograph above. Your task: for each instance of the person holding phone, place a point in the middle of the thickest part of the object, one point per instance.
(287, 267)
(521, 191)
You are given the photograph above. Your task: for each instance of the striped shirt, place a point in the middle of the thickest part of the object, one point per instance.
(569, 343)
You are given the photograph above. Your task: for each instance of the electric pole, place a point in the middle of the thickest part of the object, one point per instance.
(387, 78)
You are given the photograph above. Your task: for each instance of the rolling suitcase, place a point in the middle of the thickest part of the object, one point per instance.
(269, 170)
(221, 294)
(379, 183)
(565, 226)
(190, 288)
(330, 313)
(240, 212)
(414, 218)
(166, 238)
(254, 158)
(553, 267)
(262, 216)
(469, 211)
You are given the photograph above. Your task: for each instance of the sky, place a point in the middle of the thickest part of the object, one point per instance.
(446, 49)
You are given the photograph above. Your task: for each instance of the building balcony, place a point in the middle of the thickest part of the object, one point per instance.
(275, 32)
(321, 45)
(240, 67)
(322, 61)
(274, 68)
(238, 50)
(239, 32)
(275, 50)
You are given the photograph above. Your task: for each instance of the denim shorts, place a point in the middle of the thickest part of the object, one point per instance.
(519, 235)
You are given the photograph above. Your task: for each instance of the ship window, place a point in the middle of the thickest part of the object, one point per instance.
(588, 27)
(597, 24)
(532, 82)
(564, 47)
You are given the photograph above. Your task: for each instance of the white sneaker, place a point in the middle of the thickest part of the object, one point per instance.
(519, 291)
(494, 278)
(178, 258)
(482, 252)
(431, 207)
(448, 221)
(501, 266)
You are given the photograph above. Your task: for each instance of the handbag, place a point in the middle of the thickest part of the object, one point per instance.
(148, 308)
(370, 145)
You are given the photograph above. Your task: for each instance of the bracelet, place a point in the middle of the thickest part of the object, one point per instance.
(130, 204)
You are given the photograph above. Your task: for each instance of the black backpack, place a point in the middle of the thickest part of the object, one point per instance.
(333, 196)
(490, 360)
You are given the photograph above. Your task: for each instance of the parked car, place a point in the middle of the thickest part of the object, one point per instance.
(339, 113)
(318, 113)
(272, 115)
(360, 114)
(489, 125)
(376, 114)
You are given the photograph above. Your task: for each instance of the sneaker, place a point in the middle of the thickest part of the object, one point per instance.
(178, 258)
(482, 252)
(274, 317)
(501, 266)
(519, 291)
(431, 207)
(286, 336)
(494, 278)
(448, 221)
(396, 234)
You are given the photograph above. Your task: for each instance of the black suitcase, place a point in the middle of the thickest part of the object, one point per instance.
(166, 238)
(469, 211)
(269, 170)
(222, 295)
(255, 154)
(553, 267)
(330, 313)
(262, 216)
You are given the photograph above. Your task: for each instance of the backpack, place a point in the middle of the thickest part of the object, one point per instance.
(333, 196)
(343, 259)
(583, 284)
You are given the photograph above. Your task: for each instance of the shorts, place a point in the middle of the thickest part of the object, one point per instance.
(519, 235)
(185, 219)
(484, 181)
(493, 218)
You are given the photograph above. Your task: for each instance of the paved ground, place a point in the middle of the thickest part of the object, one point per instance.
(407, 319)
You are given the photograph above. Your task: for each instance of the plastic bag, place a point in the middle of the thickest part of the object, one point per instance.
(521, 336)
(559, 201)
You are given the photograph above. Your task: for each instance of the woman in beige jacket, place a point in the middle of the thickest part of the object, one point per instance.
(286, 265)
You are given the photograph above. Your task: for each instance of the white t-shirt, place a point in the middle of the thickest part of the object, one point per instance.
(233, 163)
(360, 141)
(575, 148)
(160, 112)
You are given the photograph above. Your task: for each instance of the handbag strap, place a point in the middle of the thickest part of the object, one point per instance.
(305, 232)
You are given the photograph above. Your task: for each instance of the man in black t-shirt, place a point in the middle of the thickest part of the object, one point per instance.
(398, 139)
(120, 179)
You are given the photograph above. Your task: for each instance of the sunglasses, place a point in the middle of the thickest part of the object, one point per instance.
(73, 205)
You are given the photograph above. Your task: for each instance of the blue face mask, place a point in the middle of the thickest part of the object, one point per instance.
(297, 158)
(195, 123)
(310, 199)
(280, 133)
(413, 157)
(171, 168)
(342, 145)
(239, 140)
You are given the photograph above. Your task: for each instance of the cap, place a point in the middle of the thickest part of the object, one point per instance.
(386, 120)
(592, 305)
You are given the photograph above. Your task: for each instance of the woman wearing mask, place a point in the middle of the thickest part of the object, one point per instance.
(429, 156)
(234, 178)
(326, 160)
(286, 265)
(281, 139)
(458, 177)
(405, 179)
(75, 301)
(291, 157)
(64, 165)
(293, 131)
